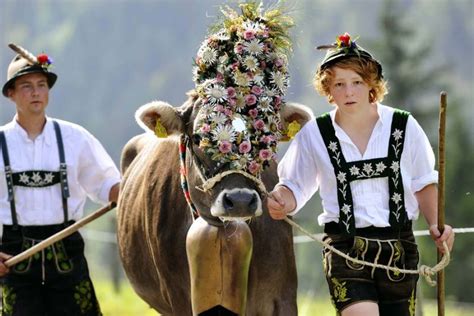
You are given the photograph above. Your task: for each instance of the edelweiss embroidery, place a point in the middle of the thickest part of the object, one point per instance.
(36, 178)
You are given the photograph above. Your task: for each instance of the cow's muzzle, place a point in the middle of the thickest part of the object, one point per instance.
(237, 203)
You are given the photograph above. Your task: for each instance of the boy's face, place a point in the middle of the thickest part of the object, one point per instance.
(30, 94)
(348, 89)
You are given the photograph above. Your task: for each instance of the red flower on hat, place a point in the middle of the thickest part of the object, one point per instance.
(345, 39)
(43, 59)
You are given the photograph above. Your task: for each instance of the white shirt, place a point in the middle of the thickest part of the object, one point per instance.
(90, 171)
(306, 167)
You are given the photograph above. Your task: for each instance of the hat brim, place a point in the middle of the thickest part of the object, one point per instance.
(51, 77)
(341, 54)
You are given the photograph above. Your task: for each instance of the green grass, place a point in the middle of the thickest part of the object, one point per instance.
(127, 303)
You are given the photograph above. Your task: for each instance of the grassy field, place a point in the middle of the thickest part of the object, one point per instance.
(127, 303)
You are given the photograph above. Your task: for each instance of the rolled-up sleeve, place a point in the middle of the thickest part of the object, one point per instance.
(297, 170)
(97, 173)
(423, 158)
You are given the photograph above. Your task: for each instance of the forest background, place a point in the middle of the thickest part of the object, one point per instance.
(112, 56)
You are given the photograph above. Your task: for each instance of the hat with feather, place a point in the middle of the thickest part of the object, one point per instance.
(346, 47)
(26, 63)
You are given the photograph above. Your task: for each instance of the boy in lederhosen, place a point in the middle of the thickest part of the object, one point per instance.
(374, 168)
(48, 167)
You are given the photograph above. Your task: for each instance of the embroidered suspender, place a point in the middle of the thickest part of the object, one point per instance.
(38, 178)
(367, 169)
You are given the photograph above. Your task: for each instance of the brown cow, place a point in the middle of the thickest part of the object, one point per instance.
(154, 219)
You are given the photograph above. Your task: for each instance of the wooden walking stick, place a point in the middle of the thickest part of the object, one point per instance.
(59, 235)
(441, 199)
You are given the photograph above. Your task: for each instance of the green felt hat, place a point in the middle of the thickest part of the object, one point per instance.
(346, 47)
(26, 63)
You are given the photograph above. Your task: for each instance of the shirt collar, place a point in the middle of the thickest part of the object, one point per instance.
(47, 133)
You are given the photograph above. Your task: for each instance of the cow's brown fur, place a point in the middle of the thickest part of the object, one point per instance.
(153, 220)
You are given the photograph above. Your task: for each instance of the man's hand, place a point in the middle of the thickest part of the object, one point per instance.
(280, 202)
(3, 268)
(448, 236)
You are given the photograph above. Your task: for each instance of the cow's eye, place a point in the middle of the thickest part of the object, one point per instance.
(196, 139)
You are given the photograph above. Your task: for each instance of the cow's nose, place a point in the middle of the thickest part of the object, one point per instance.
(240, 202)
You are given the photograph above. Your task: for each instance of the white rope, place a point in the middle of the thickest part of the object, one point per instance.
(424, 270)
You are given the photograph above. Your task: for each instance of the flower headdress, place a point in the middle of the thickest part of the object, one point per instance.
(241, 76)
(345, 47)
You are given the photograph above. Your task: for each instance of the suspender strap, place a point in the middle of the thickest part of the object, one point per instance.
(62, 170)
(344, 194)
(9, 179)
(398, 215)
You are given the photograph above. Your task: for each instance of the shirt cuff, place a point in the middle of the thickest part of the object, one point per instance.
(420, 183)
(105, 191)
(296, 193)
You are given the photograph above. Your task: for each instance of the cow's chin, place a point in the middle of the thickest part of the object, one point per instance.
(237, 204)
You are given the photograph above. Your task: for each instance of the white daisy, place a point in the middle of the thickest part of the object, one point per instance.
(271, 92)
(258, 79)
(241, 79)
(251, 63)
(280, 80)
(239, 103)
(224, 133)
(208, 55)
(216, 94)
(264, 104)
(218, 118)
(253, 47)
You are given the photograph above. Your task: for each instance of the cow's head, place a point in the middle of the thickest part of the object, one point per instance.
(235, 193)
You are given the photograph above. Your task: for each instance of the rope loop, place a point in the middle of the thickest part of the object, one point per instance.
(423, 270)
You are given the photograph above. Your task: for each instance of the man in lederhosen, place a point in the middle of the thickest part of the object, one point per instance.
(374, 168)
(48, 168)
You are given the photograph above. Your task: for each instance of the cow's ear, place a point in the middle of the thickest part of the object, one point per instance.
(295, 114)
(160, 118)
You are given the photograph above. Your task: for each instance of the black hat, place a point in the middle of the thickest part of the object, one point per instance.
(26, 63)
(344, 48)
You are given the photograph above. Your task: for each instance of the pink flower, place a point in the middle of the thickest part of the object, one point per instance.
(267, 139)
(231, 92)
(249, 35)
(263, 64)
(228, 112)
(232, 101)
(276, 100)
(254, 167)
(219, 108)
(219, 77)
(278, 62)
(245, 147)
(205, 128)
(253, 113)
(238, 49)
(259, 124)
(265, 154)
(257, 90)
(225, 146)
(235, 65)
(250, 99)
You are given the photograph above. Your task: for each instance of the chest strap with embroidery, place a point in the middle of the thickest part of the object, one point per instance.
(36, 178)
(346, 172)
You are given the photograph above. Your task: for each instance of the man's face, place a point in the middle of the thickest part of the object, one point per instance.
(30, 94)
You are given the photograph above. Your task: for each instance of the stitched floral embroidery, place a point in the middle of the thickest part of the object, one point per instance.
(339, 291)
(9, 299)
(83, 296)
(412, 302)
